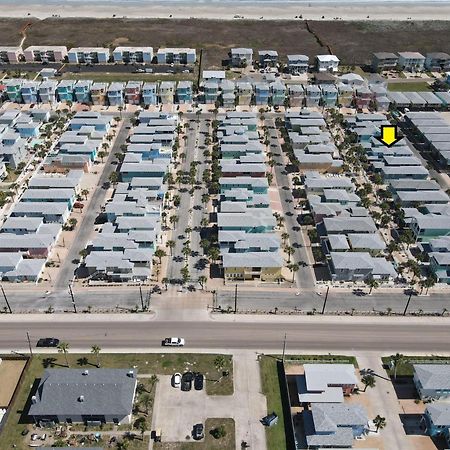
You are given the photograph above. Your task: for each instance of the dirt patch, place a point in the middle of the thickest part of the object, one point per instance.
(10, 371)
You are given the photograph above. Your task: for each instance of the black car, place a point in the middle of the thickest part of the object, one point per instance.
(186, 381)
(198, 432)
(47, 342)
(198, 381)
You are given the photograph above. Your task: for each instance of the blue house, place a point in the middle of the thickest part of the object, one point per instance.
(65, 90)
(82, 91)
(184, 92)
(29, 91)
(149, 94)
(262, 93)
(115, 94)
(437, 419)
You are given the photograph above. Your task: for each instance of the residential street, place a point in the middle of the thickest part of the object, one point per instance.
(86, 227)
(304, 276)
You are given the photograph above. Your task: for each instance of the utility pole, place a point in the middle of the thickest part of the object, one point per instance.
(73, 299)
(29, 344)
(284, 348)
(235, 298)
(142, 298)
(325, 300)
(6, 300)
(407, 303)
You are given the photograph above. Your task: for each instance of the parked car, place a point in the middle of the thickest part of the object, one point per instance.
(176, 380)
(186, 381)
(47, 342)
(270, 420)
(198, 432)
(173, 342)
(198, 381)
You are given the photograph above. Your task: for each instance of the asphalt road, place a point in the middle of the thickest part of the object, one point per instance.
(136, 332)
(304, 276)
(95, 68)
(86, 227)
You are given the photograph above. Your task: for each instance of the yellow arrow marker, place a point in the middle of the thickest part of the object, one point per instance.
(389, 135)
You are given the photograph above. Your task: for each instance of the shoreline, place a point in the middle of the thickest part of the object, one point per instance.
(360, 11)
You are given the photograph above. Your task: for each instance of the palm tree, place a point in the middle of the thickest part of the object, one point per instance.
(213, 254)
(294, 267)
(101, 154)
(427, 283)
(160, 253)
(379, 422)
(85, 193)
(171, 244)
(174, 220)
(114, 178)
(373, 284)
(202, 280)
(368, 381)
(96, 351)
(285, 237)
(186, 251)
(63, 347)
(290, 251)
(397, 360)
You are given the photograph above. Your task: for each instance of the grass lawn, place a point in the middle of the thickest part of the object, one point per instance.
(311, 359)
(163, 364)
(209, 443)
(275, 435)
(405, 369)
(420, 86)
(109, 77)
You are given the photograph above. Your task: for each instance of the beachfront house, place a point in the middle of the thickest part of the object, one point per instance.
(437, 61)
(297, 64)
(47, 91)
(384, 61)
(432, 381)
(166, 92)
(184, 92)
(241, 57)
(10, 54)
(133, 92)
(82, 91)
(411, 61)
(267, 58)
(65, 90)
(327, 63)
(133, 54)
(98, 93)
(176, 56)
(88, 55)
(48, 53)
(115, 94)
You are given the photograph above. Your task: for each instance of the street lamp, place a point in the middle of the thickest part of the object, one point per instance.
(6, 300)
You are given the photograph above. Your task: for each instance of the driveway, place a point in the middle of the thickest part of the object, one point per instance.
(175, 412)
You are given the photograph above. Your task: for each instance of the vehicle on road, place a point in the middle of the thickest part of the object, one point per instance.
(173, 342)
(198, 432)
(176, 380)
(199, 380)
(186, 381)
(47, 342)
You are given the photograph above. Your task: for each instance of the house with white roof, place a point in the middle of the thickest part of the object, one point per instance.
(327, 63)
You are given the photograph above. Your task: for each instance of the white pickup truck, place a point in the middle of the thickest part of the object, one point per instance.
(173, 342)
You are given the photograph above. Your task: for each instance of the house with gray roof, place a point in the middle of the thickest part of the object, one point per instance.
(432, 381)
(359, 266)
(84, 396)
(336, 425)
(325, 383)
(437, 419)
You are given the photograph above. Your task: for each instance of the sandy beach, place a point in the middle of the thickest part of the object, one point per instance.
(230, 10)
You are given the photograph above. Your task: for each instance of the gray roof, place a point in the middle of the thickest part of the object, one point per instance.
(433, 376)
(439, 413)
(75, 392)
(350, 224)
(252, 259)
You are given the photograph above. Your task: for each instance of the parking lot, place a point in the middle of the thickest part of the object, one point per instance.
(175, 412)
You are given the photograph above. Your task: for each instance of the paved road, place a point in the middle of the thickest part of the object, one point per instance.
(86, 227)
(337, 301)
(178, 260)
(143, 332)
(96, 68)
(304, 277)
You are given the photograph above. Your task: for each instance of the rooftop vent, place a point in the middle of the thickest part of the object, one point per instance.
(81, 398)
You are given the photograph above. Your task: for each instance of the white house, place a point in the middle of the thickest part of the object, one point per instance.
(327, 63)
